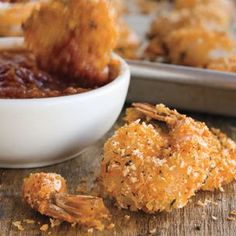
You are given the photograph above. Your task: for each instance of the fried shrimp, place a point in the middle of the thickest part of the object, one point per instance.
(225, 5)
(223, 163)
(158, 162)
(128, 43)
(74, 39)
(47, 194)
(211, 17)
(198, 46)
(222, 153)
(13, 14)
(190, 3)
(160, 158)
(199, 27)
(224, 64)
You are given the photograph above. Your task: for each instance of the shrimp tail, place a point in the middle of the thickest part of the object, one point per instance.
(159, 112)
(86, 210)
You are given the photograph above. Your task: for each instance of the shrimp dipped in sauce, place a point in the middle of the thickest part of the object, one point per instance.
(74, 39)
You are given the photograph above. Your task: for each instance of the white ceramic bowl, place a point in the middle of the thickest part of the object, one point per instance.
(45, 131)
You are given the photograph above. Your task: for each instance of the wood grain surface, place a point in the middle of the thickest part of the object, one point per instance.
(191, 220)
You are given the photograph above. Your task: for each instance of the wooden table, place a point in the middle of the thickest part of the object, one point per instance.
(191, 220)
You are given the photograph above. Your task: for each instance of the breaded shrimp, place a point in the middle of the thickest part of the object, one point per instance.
(47, 194)
(74, 39)
(156, 163)
(189, 3)
(198, 46)
(161, 158)
(225, 5)
(224, 64)
(223, 163)
(222, 152)
(128, 43)
(13, 14)
(196, 23)
(211, 17)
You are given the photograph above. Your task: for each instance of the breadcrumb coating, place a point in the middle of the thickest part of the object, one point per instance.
(224, 64)
(198, 46)
(37, 189)
(160, 158)
(194, 33)
(223, 163)
(128, 41)
(211, 17)
(47, 194)
(74, 39)
(189, 4)
(14, 14)
(153, 168)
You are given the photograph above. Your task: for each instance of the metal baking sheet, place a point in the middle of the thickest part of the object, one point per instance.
(189, 93)
(181, 87)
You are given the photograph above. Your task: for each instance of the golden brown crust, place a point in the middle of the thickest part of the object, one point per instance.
(47, 194)
(39, 187)
(14, 15)
(193, 33)
(154, 166)
(74, 39)
(223, 165)
(198, 46)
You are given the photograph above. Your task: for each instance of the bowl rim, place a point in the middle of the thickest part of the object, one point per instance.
(123, 75)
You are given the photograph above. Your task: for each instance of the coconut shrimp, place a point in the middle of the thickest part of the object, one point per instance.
(47, 194)
(157, 162)
(74, 39)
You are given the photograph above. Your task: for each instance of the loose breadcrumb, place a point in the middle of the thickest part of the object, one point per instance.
(44, 228)
(200, 203)
(204, 215)
(152, 231)
(233, 213)
(221, 189)
(90, 230)
(206, 202)
(230, 218)
(73, 224)
(54, 222)
(111, 226)
(214, 217)
(29, 221)
(127, 217)
(18, 225)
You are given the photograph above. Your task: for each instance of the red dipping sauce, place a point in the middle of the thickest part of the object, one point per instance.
(20, 77)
